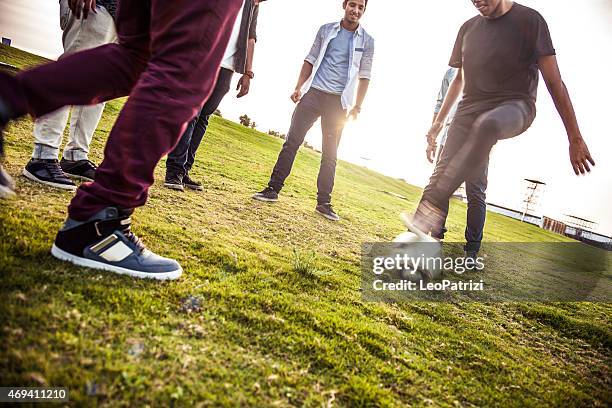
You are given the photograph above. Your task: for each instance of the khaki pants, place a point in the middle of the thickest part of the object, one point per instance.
(98, 29)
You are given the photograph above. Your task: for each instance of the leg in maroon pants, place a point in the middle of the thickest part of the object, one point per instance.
(167, 86)
(186, 40)
(186, 49)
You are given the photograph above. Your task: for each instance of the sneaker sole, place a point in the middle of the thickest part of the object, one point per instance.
(329, 217)
(88, 263)
(78, 177)
(195, 188)
(264, 199)
(175, 187)
(32, 177)
(6, 193)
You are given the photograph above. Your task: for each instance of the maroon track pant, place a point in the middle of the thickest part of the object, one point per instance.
(167, 61)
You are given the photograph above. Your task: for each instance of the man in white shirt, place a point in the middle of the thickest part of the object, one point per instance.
(340, 61)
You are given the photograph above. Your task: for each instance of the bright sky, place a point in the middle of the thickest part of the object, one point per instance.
(413, 44)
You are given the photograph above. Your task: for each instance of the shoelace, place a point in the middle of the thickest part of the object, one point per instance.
(55, 170)
(133, 238)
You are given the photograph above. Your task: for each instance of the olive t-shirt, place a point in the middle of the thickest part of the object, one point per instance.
(499, 58)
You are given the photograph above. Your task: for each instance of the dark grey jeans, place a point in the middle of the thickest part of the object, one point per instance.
(476, 192)
(470, 140)
(314, 105)
(181, 158)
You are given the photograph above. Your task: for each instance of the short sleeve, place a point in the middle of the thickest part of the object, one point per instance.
(253, 26)
(543, 41)
(456, 60)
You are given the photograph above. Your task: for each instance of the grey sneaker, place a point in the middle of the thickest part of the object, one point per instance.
(268, 195)
(106, 242)
(327, 211)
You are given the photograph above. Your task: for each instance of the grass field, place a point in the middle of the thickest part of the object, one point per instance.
(268, 311)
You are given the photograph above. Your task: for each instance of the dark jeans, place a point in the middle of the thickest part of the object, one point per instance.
(313, 105)
(470, 140)
(181, 158)
(476, 192)
(166, 60)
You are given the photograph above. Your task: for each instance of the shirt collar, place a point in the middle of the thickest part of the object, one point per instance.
(359, 30)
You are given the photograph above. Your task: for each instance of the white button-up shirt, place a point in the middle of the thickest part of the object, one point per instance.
(360, 61)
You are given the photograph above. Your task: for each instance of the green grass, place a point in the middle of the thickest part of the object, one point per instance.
(269, 312)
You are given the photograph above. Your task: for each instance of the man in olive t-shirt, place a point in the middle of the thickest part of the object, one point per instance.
(499, 54)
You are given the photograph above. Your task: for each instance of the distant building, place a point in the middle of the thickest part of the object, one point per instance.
(6, 41)
(555, 226)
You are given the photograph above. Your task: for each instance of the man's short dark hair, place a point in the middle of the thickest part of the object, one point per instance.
(366, 2)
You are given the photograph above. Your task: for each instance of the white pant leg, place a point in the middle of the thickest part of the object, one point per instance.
(96, 30)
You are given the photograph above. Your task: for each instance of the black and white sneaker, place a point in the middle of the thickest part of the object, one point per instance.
(7, 185)
(192, 184)
(79, 169)
(327, 211)
(174, 182)
(268, 195)
(106, 242)
(48, 172)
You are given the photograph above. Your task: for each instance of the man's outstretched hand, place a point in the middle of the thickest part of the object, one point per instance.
(580, 156)
(83, 7)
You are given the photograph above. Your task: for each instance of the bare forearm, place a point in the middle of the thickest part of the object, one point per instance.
(362, 90)
(250, 54)
(305, 73)
(454, 90)
(563, 103)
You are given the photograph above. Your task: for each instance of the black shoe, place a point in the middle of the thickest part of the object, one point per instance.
(268, 195)
(48, 172)
(192, 184)
(472, 256)
(106, 242)
(174, 182)
(327, 211)
(79, 169)
(7, 185)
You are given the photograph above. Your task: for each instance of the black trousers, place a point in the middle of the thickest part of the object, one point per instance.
(470, 140)
(314, 105)
(181, 158)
